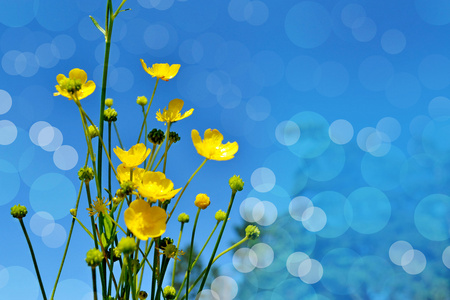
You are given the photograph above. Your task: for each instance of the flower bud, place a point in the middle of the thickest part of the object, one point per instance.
(220, 215)
(169, 292)
(73, 212)
(127, 187)
(236, 183)
(19, 211)
(252, 232)
(94, 257)
(173, 137)
(156, 136)
(142, 295)
(126, 245)
(110, 115)
(202, 201)
(109, 102)
(93, 131)
(86, 174)
(141, 100)
(183, 218)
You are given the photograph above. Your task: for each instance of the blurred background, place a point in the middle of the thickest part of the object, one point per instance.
(340, 110)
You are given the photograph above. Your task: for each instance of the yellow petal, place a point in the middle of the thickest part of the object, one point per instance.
(173, 71)
(78, 74)
(176, 105)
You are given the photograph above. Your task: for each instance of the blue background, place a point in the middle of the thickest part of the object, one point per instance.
(340, 110)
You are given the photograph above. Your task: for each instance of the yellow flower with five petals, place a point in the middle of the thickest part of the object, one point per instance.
(74, 87)
(155, 186)
(133, 157)
(162, 71)
(211, 146)
(145, 221)
(173, 114)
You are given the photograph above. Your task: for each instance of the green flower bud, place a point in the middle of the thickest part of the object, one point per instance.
(93, 131)
(141, 100)
(116, 252)
(169, 292)
(165, 241)
(183, 218)
(116, 200)
(173, 137)
(86, 174)
(19, 211)
(73, 212)
(127, 187)
(252, 232)
(94, 257)
(109, 102)
(236, 183)
(110, 115)
(126, 245)
(156, 136)
(220, 215)
(142, 295)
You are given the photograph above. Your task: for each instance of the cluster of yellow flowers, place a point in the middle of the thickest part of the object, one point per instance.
(142, 219)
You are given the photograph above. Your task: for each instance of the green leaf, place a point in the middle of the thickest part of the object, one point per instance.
(97, 25)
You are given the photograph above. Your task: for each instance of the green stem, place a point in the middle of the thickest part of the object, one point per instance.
(108, 35)
(233, 194)
(34, 258)
(68, 240)
(148, 109)
(187, 183)
(94, 283)
(167, 147)
(195, 261)
(118, 136)
(216, 258)
(175, 260)
(188, 272)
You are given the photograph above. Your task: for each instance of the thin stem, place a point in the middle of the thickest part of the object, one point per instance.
(109, 29)
(68, 239)
(175, 260)
(216, 258)
(118, 136)
(148, 109)
(34, 258)
(94, 283)
(195, 261)
(233, 194)
(188, 272)
(167, 147)
(187, 183)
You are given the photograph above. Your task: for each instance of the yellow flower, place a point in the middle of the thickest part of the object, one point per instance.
(145, 221)
(211, 147)
(74, 87)
(133, 157)
(123, 174)
(98, 207)
(173, 114)
(155, 186)
(162, 71)
(202, 201)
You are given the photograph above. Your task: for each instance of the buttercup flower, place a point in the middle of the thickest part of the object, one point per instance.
(162, 71)
(133, 157)
(211, 146)
(173, 113)
(123, 174)
(145, 221)
(202, 201)
(74, 87)
(98, 207)
(155, 186)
